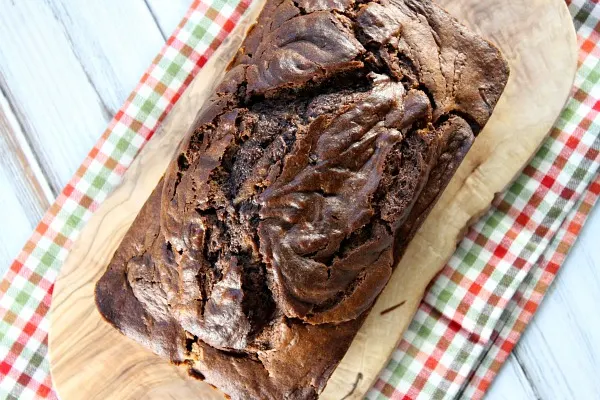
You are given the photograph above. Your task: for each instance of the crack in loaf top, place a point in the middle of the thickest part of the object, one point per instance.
(280, 220)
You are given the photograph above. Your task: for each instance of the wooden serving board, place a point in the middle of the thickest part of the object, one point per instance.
(91, 360)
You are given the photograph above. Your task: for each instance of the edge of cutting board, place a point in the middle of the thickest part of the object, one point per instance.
(91, 360)
(542, 51)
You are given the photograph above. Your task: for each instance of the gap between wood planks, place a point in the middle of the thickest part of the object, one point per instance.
(29, 156)
(18, 144)
(162, 32)
(31, 144)
(25, 193)
(36, 189)
(560, 349)
(558, 354)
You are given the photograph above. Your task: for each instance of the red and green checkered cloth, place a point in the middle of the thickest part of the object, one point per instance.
(474, 312)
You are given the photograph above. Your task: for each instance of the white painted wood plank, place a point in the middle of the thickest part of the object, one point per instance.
(168, 13)
(114, 40)
(25, 194)
(20, 162)
(511, 383)
(56, 105)
(67, 104)
(13, 214)
(560, 351)
(66, 66)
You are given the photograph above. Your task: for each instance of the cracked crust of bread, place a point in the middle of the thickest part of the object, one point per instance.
(261, 251)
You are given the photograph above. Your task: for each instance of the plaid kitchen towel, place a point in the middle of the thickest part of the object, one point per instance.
(477, 308)
(474, 312)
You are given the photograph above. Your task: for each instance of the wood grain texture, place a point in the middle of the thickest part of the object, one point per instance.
(133, 374)
(538, 39)
(168, 13)
(25, 194)
(560, 358)
(114, 41)
(66, 68)
(560, 349)
(512, 383)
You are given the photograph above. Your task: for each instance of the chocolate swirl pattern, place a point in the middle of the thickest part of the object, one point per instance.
(279, 222)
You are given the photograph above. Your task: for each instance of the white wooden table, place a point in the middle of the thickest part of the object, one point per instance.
(66, 66)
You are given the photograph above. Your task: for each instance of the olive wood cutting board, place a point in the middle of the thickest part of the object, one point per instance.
(91, 360)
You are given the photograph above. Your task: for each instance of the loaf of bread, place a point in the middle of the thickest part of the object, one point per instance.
(259, 254)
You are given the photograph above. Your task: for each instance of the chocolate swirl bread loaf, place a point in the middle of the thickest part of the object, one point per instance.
(259, 254)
